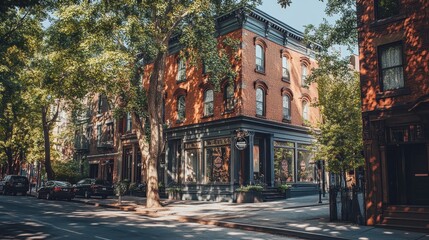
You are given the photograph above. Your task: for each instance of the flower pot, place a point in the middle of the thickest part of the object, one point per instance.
(249, 197)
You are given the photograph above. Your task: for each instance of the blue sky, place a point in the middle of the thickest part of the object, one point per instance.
(298, 14)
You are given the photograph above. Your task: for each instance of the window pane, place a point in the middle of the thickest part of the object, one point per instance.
(391, 56)
(387, 8)
(305, 169)
(208, 103)
(305, 111)
(181, 108)
(391, 67)
(181, 73)
(286, 107)
(191, 165)
(259, 58)
(285, 68)
(284, 165)
(229, 97)
(217, 164)
(303, 74)
(259, 102)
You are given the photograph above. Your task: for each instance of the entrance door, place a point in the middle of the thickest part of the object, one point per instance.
(259, 161)
(408, 174)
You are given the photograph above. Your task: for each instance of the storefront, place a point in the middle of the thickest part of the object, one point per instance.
(210, 164)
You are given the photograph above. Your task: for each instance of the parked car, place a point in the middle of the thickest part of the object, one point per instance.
(93, 187)
(13, 184)
(56, 190)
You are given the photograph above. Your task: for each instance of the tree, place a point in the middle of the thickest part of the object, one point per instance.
(122, 36)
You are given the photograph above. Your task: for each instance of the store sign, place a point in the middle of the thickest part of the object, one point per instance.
(240, 143)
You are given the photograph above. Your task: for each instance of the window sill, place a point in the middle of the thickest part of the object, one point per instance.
(393, 93)
(261, 116)
(207, 116)
(287, 80)
(228, 112)
(380, 22)
(286, 120)
(260, 71)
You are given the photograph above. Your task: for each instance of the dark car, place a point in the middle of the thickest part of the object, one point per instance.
(13, 184)
(93, 187)
(56, 190)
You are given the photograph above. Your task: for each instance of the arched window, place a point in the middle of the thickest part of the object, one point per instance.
(181, 70)
(260, 58)
(229, 97)
(303, 74)
(208, 102)
(181, 108)
(286, 107)
(285, 69)
(305, 111)
(260, 102)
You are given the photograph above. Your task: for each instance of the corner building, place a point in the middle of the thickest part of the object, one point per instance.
(267, 108)
(394, 63)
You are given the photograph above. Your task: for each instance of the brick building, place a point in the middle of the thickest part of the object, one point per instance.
(267, 106)
(394, 63)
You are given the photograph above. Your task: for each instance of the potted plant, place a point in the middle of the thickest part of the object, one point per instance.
(249, 194)
(174, 192)
(285, 189)
(132, 188)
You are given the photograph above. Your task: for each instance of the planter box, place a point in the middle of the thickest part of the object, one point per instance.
(248, 197)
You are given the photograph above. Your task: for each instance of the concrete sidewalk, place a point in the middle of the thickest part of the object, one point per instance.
(302, 217)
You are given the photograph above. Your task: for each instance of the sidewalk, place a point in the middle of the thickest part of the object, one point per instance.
(302, 217)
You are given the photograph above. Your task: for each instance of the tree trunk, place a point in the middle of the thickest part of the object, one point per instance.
(47, 143)
(9, 155)
(155, 95)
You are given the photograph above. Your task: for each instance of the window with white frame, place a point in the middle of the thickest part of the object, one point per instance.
(260, 58)
(304, 75)
(285, 69)
(260, 101)
(391, 66)
(305, 111)
(181, 108)
(181, 70)
(286, 107)
(208, 102)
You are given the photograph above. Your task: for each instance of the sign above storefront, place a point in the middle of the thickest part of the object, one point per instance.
(240, 143)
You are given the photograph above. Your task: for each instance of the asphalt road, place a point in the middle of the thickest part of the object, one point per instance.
(25, 217)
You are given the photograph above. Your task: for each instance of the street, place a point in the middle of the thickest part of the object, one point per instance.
(25, 217)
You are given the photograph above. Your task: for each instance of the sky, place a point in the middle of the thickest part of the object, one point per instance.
(299, 14)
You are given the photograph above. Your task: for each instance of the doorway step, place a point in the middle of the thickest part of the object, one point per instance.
(272, 194)
(405, 217)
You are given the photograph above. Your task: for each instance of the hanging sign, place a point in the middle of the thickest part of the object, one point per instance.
(240, 143)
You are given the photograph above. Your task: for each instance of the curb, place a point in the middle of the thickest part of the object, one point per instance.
(254, 228)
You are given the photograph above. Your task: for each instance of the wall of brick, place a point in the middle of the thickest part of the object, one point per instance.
(273, 79)
(410, 27)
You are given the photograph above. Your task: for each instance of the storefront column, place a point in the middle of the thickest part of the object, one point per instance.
(270, 161)
(249, 171)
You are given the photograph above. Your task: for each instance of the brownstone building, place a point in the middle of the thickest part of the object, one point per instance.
(394, 63)
(267, 108)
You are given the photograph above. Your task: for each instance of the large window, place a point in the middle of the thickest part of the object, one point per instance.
(391, 68)
(208, 102)
(284, 162)
(286, 107)
(191, 165)
(217, 161)
(260, 62)
(181, 108)
(285, 69)
(305, 165)
(229, 97)
(386, 8)
(260, 102)
(181, 70)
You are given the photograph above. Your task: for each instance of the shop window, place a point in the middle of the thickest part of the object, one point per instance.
(260, 102)
(260, 58)
(191, 165)
(181, 70)
(305, 168)
(217, 161)
(208, 103)
(229, 97)
(391, 67)
(386, 8)
(181, 108)
(284, 163)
